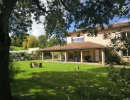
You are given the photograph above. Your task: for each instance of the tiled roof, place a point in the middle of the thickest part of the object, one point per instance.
(118, 25)
(74, 46)
(111, 26)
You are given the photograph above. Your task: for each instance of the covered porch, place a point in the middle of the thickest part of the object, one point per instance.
(83, 52)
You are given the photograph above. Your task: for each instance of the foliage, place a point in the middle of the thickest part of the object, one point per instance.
(30, 42)
(84, 15)
(20, 18)
(121, 82)
(113, 58)
(18, 40)
(42, 41)
(24, 45)
(60, 14)
(120, 77)
(25, 56)
(121, 42)
(13, 69)
(53, 42)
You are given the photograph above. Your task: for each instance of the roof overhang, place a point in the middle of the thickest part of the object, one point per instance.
(74, 46)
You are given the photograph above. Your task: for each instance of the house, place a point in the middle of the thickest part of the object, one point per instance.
(83, 48)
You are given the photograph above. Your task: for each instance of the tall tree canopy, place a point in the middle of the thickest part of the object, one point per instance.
(15, 17)
(53, 42)
(60, 14)
(30, 42)
(18, 40)
(42, 39)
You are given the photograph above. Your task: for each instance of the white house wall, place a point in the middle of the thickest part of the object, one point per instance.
(68, 40)
(98, 39)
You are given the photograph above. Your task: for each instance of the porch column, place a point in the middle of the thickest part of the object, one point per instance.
(52, 56)
(60, 56)
(81, 57)
(103, 57)
(66, 56)
(42, 56)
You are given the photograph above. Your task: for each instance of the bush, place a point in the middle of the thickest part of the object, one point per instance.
(13, 69)
(113, 59)
(121, 83)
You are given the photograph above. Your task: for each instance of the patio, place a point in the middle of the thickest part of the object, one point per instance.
(79, 52)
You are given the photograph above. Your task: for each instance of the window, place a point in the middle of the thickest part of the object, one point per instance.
(125, 35)
(78, 39)
(126, 52)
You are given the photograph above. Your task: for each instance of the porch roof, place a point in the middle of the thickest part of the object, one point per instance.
(74, 46)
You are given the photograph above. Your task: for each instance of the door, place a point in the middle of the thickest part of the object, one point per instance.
(96, 55)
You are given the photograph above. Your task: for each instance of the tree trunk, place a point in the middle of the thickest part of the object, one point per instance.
(6, 8)
(5, 92)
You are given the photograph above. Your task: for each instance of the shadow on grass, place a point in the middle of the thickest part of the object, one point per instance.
(90, 84)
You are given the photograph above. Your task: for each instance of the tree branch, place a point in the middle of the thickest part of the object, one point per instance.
(39, 6)
(65, 6)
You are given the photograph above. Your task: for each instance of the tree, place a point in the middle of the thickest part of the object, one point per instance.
(13, 41)
(5, 12)
(42, 39)
(53, 42)
(59, 15)
(24, 45)
(17, 40)
(30, 42)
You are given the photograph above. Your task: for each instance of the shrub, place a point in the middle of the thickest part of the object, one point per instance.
(121, 83)
(113, 59)
(13, 69)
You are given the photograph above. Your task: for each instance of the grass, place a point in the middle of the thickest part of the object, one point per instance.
(61, 81)
(16, 48)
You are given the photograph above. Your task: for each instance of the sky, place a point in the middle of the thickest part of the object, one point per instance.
(37, 29)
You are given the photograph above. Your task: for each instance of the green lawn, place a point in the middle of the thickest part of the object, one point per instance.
(61, 81)
(16, 48)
